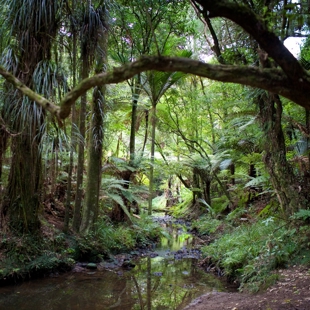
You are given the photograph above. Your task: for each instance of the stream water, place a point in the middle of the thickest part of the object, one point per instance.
(169, 280)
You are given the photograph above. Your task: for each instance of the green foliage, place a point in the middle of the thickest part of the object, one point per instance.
(303, 214)
(146, 230)
(206, 225)
(235, 215)
(109, 238)
(159, 203)
(219, 204)
(251, 252)
(183, 209)
(30, 255)
(116, 191)
(257, 182)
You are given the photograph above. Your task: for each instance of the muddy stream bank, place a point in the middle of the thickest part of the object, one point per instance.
(165, 277)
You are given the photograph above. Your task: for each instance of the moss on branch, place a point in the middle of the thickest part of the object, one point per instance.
(40, 100)
(273, 80)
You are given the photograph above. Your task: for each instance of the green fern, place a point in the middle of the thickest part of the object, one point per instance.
(303, 214)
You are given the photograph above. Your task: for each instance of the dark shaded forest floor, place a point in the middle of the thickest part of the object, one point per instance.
(291, 292)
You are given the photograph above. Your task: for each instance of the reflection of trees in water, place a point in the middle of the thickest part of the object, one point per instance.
(149, 282)
(168, 283)
(104, 290)
(155, 283)
(178, 237)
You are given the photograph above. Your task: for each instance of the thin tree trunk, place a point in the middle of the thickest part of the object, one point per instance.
(3, 146)
(151, 177)
(4, 136)
(135, 94)
(80, 168)
(307, 112)
(146, 131)
(94, 166)
(73, 129)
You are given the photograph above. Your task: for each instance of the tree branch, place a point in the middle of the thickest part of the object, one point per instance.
(272, 80)
(46, 104)
(255, 26)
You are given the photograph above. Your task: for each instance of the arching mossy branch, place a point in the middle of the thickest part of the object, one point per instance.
(273, 80)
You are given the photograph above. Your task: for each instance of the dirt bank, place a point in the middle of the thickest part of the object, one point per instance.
(292, 291)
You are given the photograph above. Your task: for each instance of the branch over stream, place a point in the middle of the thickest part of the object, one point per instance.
(273, 80)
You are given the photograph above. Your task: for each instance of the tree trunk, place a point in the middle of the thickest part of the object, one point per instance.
(285, 183)
(146, 131)
(135, 95)
(3, 146)
(80, 168)
(151, 176)
(207, 190)
(4, 136)
(91, 206)
(25, 183)
(196, 185)
(32, 37)
(73, 129)
(94, 165)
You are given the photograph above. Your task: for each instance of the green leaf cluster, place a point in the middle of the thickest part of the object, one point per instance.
(249, 253)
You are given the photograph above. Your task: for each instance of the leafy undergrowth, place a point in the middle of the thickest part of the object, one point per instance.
(248, 252)
(27, 256)
(109, 238)
(31, 256)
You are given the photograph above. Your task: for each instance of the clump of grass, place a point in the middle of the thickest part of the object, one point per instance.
(249, 253)
(206, 225)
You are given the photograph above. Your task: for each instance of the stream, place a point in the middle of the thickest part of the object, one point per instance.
(166, 278)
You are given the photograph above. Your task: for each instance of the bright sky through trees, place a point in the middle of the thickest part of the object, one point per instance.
(293, 44)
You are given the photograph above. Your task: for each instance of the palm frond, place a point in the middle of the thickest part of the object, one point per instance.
(9, 59)
(48, 78)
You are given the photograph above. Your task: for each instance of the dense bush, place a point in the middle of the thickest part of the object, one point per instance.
(250, 252)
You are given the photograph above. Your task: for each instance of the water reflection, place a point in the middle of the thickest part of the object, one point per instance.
(162, 282)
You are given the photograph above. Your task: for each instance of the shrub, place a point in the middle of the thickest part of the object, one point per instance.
(206, 225)
(110, 238)
(250, 252)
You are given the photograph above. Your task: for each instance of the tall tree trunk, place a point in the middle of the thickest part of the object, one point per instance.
(94, 165)
(4, 136)
(285, 183)
(196, 184)
(290, 194)
(33, 34)
(80, 167)
(146, 131)
(73, 131)
(307, 114)
(135, 97)
(151, 176)
(91, 206)
(3, 146)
